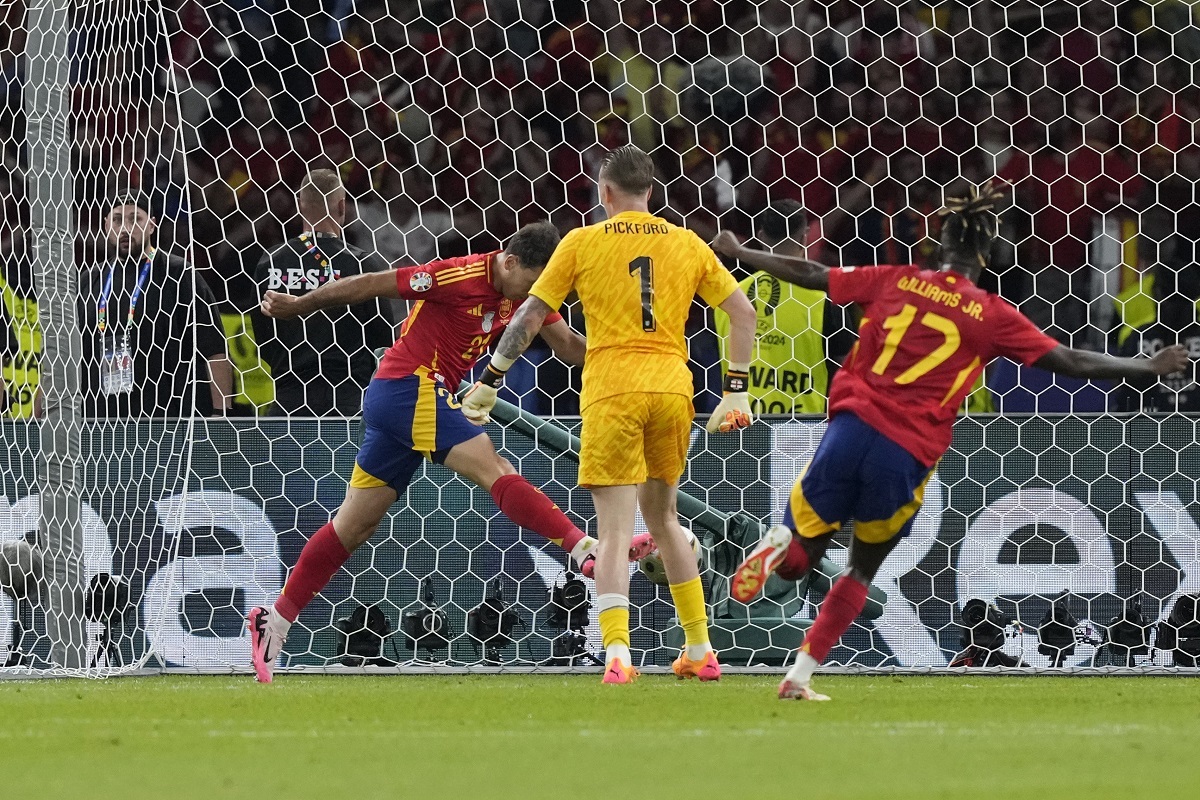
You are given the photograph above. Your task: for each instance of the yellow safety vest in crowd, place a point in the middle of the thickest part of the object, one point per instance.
(788, 373)
(252, 384)
(980, 400)
(21, 374)
(1137, 308)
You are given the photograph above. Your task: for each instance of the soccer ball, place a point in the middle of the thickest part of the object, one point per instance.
(20, 570)
(652, 565)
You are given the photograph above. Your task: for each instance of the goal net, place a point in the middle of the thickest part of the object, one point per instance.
(150, 159)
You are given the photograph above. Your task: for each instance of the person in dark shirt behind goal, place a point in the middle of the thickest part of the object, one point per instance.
(320, 364)
(925, 337)
(410, 413)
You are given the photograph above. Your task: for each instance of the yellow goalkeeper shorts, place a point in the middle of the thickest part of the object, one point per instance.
(629, 438)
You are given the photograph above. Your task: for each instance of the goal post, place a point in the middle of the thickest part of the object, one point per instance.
(50, 185)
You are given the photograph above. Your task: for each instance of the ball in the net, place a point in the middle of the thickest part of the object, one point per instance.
(652, 565)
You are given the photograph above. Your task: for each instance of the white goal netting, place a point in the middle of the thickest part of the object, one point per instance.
(151, 154)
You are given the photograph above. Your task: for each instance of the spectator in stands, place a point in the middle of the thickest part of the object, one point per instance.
(20, 332)
(801, 337)
(322, 363)
(152, 345)
(1177, 293)
(1064, 188)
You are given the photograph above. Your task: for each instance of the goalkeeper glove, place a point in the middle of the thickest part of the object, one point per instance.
(733, 412)
(480, 399)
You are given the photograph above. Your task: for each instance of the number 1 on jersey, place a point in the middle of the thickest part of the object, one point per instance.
(645, 265)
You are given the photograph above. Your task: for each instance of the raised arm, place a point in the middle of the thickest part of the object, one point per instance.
(345, 292)
(800, 271)
(1086, 364)
(567, 344)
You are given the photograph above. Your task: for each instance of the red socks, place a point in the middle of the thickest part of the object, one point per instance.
(321, 557)
(530, 508)
(842, 605)
(795, 564)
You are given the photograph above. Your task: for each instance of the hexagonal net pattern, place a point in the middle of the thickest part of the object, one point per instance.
(198, 155)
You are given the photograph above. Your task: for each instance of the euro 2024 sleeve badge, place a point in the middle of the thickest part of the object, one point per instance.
(420, 282)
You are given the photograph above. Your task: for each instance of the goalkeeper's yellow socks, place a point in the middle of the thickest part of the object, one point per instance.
(614, 627)
(693, 617)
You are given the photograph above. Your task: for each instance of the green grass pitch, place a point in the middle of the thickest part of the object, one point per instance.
(554, 736)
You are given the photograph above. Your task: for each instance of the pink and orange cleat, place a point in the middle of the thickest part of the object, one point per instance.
(642, 546)
(619, 673)
(752, 574)
(706, 670)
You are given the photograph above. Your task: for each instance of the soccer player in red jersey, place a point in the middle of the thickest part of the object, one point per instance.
(410, 413)
(924, 339)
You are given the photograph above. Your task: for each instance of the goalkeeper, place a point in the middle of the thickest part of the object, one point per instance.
(636, 276)
(410, 414)
(924, 339)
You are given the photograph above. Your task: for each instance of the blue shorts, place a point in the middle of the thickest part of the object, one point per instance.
(860, 474)
(405, 421)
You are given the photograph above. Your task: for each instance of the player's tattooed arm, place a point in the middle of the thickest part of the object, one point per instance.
(567, 344)
(1087, 364)
(526, 324)
(480, 399)
(345, 292)
(799, 271)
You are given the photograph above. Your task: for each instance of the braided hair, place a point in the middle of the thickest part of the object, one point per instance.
(970, 224)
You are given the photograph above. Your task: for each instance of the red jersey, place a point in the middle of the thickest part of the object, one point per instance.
(924, 338)
(458, 314)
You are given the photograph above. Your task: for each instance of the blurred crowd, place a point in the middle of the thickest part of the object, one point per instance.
(453, 122)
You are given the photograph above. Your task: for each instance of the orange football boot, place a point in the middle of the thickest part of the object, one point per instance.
(706, 670)
(751, 575)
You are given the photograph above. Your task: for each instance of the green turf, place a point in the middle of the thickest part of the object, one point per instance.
(568, 737)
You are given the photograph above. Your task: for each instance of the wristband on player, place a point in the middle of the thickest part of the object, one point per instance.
(737, 378)
(491, 377)
(494, 372)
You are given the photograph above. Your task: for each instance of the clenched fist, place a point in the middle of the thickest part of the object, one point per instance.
(1170, 360)
(280, 305)
(726, 244)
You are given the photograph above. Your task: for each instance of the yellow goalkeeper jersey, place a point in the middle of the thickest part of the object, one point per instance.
(636, 275)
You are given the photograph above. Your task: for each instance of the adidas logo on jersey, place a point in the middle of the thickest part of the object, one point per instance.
(477, 311)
